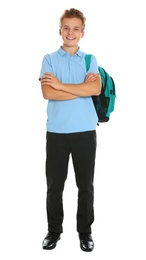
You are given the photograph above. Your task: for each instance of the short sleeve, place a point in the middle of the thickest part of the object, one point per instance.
(46, 66)
(93, 65)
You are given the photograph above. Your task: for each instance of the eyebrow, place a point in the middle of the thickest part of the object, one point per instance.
(75, 26)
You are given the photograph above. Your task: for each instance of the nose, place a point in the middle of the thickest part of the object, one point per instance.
(70, 31)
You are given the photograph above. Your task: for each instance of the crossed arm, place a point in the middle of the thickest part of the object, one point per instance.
(54, 89)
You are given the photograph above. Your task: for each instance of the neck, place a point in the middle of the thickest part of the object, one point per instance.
(71, 50)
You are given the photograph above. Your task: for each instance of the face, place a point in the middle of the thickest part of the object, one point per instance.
(71, 31)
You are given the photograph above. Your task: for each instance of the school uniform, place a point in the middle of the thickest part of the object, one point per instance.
(71, 131)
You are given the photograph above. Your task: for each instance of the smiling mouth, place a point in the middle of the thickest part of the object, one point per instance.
(70, 38)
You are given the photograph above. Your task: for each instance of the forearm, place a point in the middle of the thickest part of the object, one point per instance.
(53, 94)
(83, 89)
(52, 88)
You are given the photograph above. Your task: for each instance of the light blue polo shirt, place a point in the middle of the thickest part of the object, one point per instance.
(76, 115)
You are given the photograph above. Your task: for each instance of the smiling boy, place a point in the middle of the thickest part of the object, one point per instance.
(71, 128)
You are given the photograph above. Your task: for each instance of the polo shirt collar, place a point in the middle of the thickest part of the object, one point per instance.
(62, 52)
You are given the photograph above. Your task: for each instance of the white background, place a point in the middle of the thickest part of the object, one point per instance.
(115, 34)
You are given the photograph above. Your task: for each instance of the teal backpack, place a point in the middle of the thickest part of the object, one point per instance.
(104, 103)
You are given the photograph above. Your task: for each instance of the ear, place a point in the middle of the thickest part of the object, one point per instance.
(59, 31)
(82, 34)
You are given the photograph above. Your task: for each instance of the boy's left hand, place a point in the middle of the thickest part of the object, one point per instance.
(91, 77)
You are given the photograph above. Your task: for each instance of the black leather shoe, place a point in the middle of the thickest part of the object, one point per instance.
(86, 242)
(51, 240)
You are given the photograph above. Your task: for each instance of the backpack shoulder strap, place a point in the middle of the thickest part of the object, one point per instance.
(88, 61)
(103, 76)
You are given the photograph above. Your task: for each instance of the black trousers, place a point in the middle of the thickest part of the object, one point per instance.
(82, 147)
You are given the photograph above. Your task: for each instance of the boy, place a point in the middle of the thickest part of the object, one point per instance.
(71, 128)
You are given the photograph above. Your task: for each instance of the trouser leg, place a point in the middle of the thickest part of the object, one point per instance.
(83, 151)
(57, 157)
